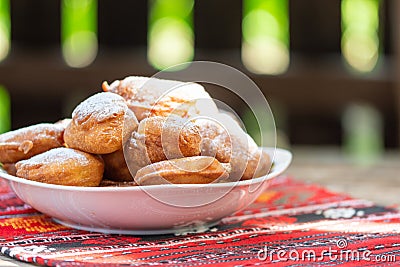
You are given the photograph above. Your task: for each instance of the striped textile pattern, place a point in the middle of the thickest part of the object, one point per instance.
(290, 224)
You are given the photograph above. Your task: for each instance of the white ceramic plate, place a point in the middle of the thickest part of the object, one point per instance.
(138, 210)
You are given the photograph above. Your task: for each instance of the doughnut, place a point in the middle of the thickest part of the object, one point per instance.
(135, 153)
(157, 97)
(63, 166)
(264, 164)
(10, 168)
(223, 139)
(160, 138)
(171, 137)
(190, 170)
(30, 141)
(99, 124)
(215, 140)
(116, 168)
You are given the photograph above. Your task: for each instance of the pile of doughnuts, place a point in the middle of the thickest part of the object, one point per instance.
(139, 131)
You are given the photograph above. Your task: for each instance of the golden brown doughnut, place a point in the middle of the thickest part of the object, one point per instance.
(27, 142)
(227, 142)
(99, 124)
(190, 170)
(116, 168)
(63, 166)
(264, 163)
(171, 137)
(10, 168)
(257, 162)
(135, 152)
(215, 141)
(160, 138)
(157, 97)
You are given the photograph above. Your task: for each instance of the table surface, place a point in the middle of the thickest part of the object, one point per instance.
(378, 181)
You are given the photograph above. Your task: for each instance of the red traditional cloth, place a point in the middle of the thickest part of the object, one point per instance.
(291, 224)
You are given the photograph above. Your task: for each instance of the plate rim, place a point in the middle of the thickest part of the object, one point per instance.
(275, 152)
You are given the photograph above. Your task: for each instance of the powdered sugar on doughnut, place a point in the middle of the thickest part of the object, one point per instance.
(158, 97)
(58, 155)
(99, 107)
(37, 131)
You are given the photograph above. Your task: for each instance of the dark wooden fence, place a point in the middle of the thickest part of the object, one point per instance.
(313, 93)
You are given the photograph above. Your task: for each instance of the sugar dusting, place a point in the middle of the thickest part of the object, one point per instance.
(59, 156)
(35, 131)
(99, 107)
(159, 93)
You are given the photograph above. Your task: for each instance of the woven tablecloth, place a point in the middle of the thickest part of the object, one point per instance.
(291, 224)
